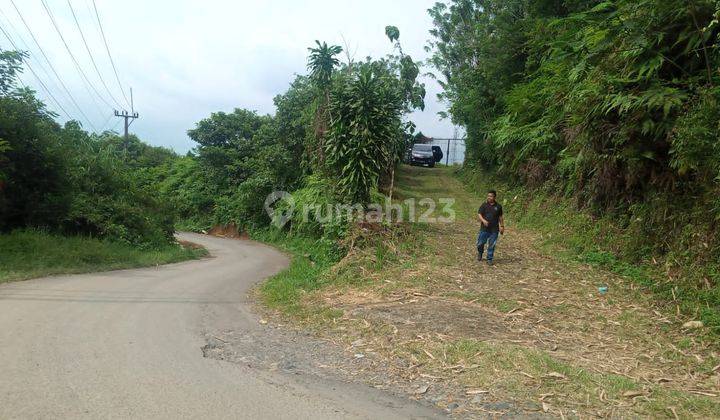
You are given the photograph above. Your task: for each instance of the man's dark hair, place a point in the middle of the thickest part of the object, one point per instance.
(493, 192)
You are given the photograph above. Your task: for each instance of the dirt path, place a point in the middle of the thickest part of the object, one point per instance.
(130, 344)
(530, 336)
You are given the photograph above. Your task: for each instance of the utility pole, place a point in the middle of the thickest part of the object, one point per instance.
(447, 155)
(128, 117)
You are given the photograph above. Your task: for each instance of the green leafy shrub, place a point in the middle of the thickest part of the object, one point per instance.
(312, 210)
(64, 180)
(365, 128)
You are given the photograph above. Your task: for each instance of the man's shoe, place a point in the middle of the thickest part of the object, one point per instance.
(490, 262)
(479, 257)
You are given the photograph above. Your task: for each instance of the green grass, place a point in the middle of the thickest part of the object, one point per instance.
(26, 254)
(311, 258)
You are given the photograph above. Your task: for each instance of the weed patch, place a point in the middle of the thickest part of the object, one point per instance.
(26, 254)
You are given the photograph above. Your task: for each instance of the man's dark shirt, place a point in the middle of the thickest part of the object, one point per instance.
(491, 213)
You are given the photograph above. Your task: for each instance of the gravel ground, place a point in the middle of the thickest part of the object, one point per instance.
(283, 347)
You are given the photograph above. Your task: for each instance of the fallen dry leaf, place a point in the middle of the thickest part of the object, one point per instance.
(421, 390)
(693, 324)
(476, 391)
(632, 394)
(555, 375)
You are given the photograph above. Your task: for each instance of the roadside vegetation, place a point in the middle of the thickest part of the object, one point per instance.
(67, 181)
(336, 137)
(29, 254)
(74, 202)
(311, 259)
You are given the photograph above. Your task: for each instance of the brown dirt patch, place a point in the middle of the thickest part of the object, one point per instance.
(425, 315)
(228, 231)
(190, 245)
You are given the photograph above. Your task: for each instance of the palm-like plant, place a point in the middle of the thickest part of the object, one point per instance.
(358, 117)
(366, 124)
(321, 63)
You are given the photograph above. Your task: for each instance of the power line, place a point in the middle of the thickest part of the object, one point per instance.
(92, 59)
(67, 91)
(9, 38)
(116, 124)
(107, 120)
(102, 32)
(27, 47)
(72, 56)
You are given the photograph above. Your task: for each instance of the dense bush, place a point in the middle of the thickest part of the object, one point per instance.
(365, 129)
(336, 137)
(318, 196)
(64, 180)
(611, 100)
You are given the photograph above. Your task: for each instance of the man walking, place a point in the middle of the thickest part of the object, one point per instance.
(491, 217)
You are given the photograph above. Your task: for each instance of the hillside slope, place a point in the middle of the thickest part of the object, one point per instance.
(533, 330)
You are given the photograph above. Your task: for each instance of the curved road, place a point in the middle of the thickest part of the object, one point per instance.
(127, 344)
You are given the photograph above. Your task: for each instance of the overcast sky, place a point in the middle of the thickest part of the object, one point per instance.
(186, 59)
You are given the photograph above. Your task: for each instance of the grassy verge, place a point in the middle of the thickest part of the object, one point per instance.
(29, 254)
(574, 235)
(310, 260)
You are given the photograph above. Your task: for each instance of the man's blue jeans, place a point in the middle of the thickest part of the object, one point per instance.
(487, 237)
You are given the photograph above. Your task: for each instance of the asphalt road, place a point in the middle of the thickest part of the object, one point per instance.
(127, 344)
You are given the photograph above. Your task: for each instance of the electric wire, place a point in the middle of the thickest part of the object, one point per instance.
(42, 84)
(23, 84)
(107, 48)
(16, 34)
(105, 124)
(67, 91)
(116, 125)
(92, 59)
(74, 60)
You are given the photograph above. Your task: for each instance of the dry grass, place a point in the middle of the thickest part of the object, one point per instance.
(531, 329)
